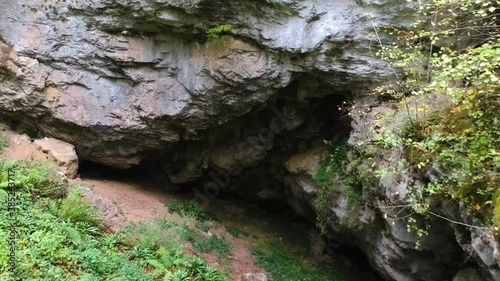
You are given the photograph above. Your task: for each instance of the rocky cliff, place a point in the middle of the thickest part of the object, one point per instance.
(377, 217)
(127, 80)
(134, 82)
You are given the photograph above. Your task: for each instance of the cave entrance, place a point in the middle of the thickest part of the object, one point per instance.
(267, 213)
(257, 217)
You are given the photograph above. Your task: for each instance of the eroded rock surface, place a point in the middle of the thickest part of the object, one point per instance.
(378, 224)
(130, 80)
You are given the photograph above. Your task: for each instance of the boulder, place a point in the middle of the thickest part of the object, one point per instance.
(62, 152)
(468, 274)
(253, 277)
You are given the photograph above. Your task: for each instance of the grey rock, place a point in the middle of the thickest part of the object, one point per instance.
(379, 228)
(121, 88)
(254, 277)
(468, 274)
(111, 215)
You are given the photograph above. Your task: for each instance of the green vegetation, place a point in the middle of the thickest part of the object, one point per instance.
(218, 31)
(455, 59)
(456, 56)
(279, 225)
(173, 264)
(284, 254)
(173, 233)
(53, 242)
(59, 237)
(190, 209)
(237, 232)
(33, 178)
(214, 243)
(3, 141)
(6, 73)
(333, 180)
(283, 265)
(74, 209)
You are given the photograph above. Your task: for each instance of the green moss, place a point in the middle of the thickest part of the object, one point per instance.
(6, 73)
(324, 176)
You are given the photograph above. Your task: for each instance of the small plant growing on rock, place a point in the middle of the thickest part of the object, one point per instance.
(332, 180)
(218, 31)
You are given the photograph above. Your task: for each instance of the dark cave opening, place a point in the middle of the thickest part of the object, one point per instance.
(150, 176)
(148, 173)
(325, 120)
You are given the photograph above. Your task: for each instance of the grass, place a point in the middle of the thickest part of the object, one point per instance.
(172, 233)
(59, 237)
(3, 141)
(213, 243)
(283, 256)
(279, 225)
(284, 265)
(190, 209)
(237, 232)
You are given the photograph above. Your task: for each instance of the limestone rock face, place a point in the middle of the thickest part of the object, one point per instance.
(467, 274)
(379, 225)
(130, 80)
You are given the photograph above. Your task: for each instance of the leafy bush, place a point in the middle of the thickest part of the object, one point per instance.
(457, 56)
(216, 32)
(159, 244)
(75, 209)
(174, 265)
